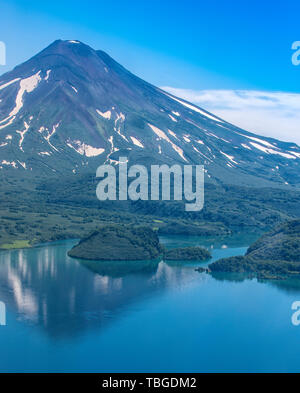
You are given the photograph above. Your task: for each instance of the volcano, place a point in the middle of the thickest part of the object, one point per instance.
(71, 108)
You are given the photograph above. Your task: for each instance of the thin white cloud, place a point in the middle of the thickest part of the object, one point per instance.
(275, 115)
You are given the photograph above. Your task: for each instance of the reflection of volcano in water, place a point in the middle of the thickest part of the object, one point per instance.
(44, 287)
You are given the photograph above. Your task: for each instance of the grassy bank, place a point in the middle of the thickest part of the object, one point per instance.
(15, 245)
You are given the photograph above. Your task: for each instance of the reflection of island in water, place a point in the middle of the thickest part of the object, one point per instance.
(65, 296)
(290, 285)
(117, 269)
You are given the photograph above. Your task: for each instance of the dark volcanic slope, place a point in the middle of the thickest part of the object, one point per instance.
(71, 108)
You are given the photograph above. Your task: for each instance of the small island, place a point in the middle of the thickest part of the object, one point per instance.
(276, 255)
(130, 243)
(118, 243)
(187, 254)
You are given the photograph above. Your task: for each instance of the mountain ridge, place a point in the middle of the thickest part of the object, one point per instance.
(70, 108)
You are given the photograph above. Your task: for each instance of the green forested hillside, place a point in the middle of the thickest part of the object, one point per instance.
(35, 210)
(118, 243)
(187, 254)
(275, 255)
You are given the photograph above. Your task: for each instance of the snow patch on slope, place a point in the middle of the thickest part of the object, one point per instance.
(118, 122)
(231, 158)
(47, 75)
(173, 134)
(272, 151)
(43, 130)
(172, 118)
(106, 115)
(9, 163)
(7, 124)
(9, 83)
(85, 149)
(162, 135)
(22, 135)
(246, 146)
(193, 108)
(26, 86)
(261, 141)
(137, 142)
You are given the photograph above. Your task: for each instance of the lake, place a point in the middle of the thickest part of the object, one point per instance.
(65, 315)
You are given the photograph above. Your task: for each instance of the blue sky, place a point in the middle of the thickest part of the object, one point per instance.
(186, 44)
(189, 45)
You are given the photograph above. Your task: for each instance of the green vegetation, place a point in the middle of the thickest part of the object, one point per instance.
(275, 255)
(129, 243)
(262, 269)
(187, 254)
(50, 209)
(118, 243)
(15, 244)
(282, 243)
(193, 229)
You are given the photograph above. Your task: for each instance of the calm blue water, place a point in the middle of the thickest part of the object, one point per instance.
(63, 315)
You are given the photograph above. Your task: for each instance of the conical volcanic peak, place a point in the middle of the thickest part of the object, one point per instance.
(71, 108)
